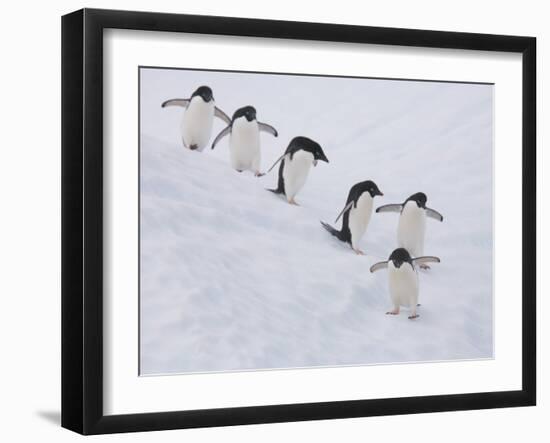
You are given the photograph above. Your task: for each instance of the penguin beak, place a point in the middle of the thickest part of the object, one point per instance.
(380, 193)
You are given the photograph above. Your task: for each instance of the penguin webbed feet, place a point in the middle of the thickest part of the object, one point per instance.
(413, 316)
(394, 311)
(358, 251)
(293, 202)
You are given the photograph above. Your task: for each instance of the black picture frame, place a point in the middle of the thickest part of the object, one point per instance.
(82, 220)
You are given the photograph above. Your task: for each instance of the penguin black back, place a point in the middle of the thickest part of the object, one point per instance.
(280, 189)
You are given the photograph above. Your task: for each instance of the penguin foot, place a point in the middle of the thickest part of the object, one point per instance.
(393, 312)
(293, 202)
(424, 266)
(259, 174)
(358, 251)
(239, 170)
(193, 147)
(412, 317)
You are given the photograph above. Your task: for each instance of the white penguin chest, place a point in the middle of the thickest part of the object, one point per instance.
(403, 283)
(295, 171)
(197, 123)
(411, 229)
(359, 217)
(244, 145)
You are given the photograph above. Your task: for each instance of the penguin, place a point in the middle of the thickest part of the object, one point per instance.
(200, 110)
(244, 141)
(412, 223)
(403, 279)
(356, 214)
(301, 153)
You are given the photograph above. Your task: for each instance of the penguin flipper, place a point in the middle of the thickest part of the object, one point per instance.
(220, 114)
(347, 208)
(268, 128)
(221, 135)
(378, 266)
(276, 161)
(432, 213)
(426, 259)
(390, 208)
(182, 102)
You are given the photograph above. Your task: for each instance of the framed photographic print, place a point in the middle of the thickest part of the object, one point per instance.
(269, 221)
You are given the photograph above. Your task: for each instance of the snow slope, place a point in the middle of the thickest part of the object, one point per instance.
(233, 278)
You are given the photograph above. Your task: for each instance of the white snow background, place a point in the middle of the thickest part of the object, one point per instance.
(234, 278)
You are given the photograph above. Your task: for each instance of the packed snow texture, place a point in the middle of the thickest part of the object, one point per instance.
(234, 278)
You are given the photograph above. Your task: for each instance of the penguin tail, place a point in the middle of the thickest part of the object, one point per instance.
(338, 234)
(276, 191)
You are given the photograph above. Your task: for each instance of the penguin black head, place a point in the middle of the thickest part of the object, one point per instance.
(419, 198)
(370, 187)
(319, 155)
(205, 93)
(400, 256)
(307, 144)
(249, 112)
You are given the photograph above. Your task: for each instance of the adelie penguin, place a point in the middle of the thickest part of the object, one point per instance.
(356, 214)
(300, 155)
(412, 223)
(403, 279)
(244, 141)
(198, 117)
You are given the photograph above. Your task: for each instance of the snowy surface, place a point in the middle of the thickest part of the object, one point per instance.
(234, 278)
